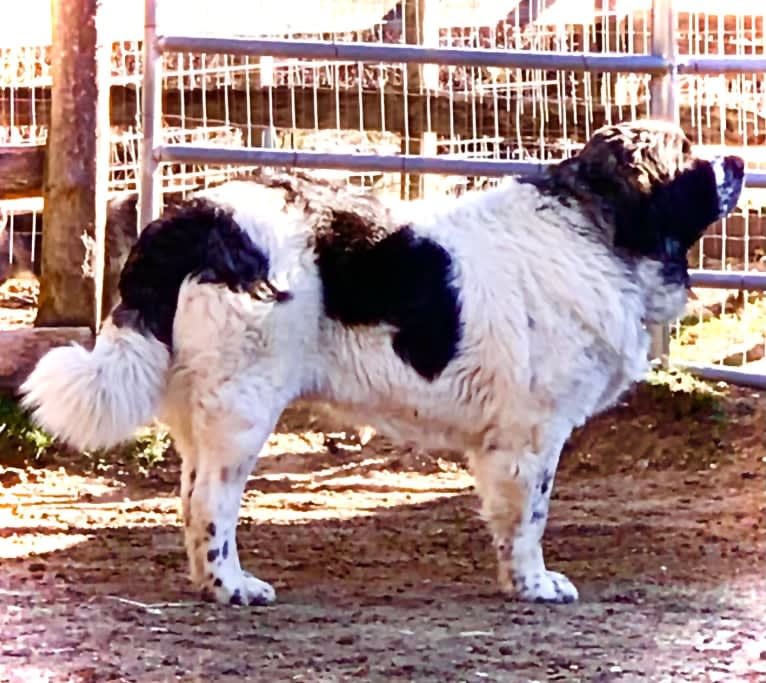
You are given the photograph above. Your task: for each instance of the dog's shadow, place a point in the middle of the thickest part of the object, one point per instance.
(430, 547)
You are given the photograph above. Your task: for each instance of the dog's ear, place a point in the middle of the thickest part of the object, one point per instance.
(643, 176)
(686, 206)
(668, 220)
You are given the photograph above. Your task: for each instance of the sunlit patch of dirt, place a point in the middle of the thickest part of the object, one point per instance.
(384, 570)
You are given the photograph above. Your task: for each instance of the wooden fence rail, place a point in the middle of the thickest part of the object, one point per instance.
(21, 171)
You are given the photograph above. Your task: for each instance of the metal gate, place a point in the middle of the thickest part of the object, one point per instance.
(663, 64)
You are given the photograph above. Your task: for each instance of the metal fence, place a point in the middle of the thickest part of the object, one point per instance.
(414, 97)
(419, 97)
(662, 65)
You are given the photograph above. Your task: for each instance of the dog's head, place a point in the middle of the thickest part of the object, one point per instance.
(643, 180)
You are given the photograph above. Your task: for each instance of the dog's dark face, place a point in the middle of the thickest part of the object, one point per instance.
(659, 198)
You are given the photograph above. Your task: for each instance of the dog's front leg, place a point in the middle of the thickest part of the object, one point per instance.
(515, 488)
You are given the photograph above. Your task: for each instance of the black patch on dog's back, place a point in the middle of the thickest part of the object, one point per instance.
(196, 238)
(372, 275)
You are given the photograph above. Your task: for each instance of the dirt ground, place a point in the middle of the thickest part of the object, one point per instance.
(383, 568)
(384, 571)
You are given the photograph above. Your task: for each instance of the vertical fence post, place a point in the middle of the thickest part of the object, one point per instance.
(77, 167)
(663, 104)
(420, 28)
(150, 191)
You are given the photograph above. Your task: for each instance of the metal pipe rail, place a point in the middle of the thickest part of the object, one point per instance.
(663, 64)
(411, 54)
(400, 163)
(722, 373)
(753, 282)
(360, 163)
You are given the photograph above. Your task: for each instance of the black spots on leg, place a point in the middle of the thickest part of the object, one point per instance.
(540, 504)
(562, 597)
(504, 551)
(531, 322)
(218, 583)
(212, 554)
(519, 584)
(236, 598)
(211, 529)
(225, 550)
(545, 484)
(373, 275)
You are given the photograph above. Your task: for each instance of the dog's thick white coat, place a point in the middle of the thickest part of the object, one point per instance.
(553, 331)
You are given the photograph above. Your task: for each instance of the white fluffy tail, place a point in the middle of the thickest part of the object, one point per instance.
(97, 399)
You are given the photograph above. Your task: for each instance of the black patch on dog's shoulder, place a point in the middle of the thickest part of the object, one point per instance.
(372, 275)
(196, 238)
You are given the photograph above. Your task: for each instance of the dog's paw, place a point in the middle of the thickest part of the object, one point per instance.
(243, 590)
(545, 586)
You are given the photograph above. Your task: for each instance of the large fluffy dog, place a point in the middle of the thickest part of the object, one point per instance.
(492, 323)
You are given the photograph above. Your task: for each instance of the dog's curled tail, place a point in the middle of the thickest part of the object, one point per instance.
(97, 399)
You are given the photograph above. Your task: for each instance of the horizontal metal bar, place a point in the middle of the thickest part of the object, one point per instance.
(720, 373)
(519, 59)
(755, 282)
(711, 65)
(755, 179)
(410, 54)
(403, 163)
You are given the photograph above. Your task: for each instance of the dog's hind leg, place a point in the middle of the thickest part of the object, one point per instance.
(226, 431)
(515, 488)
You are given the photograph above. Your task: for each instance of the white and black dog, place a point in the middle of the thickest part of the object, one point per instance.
(494, 323)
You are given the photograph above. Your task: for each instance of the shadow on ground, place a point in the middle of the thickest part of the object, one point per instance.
(384, 571)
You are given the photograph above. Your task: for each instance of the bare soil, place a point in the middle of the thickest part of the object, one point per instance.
(384, 570)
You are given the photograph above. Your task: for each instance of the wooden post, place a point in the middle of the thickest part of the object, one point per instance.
(77, 169)
(21, 349)
(420, 28)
